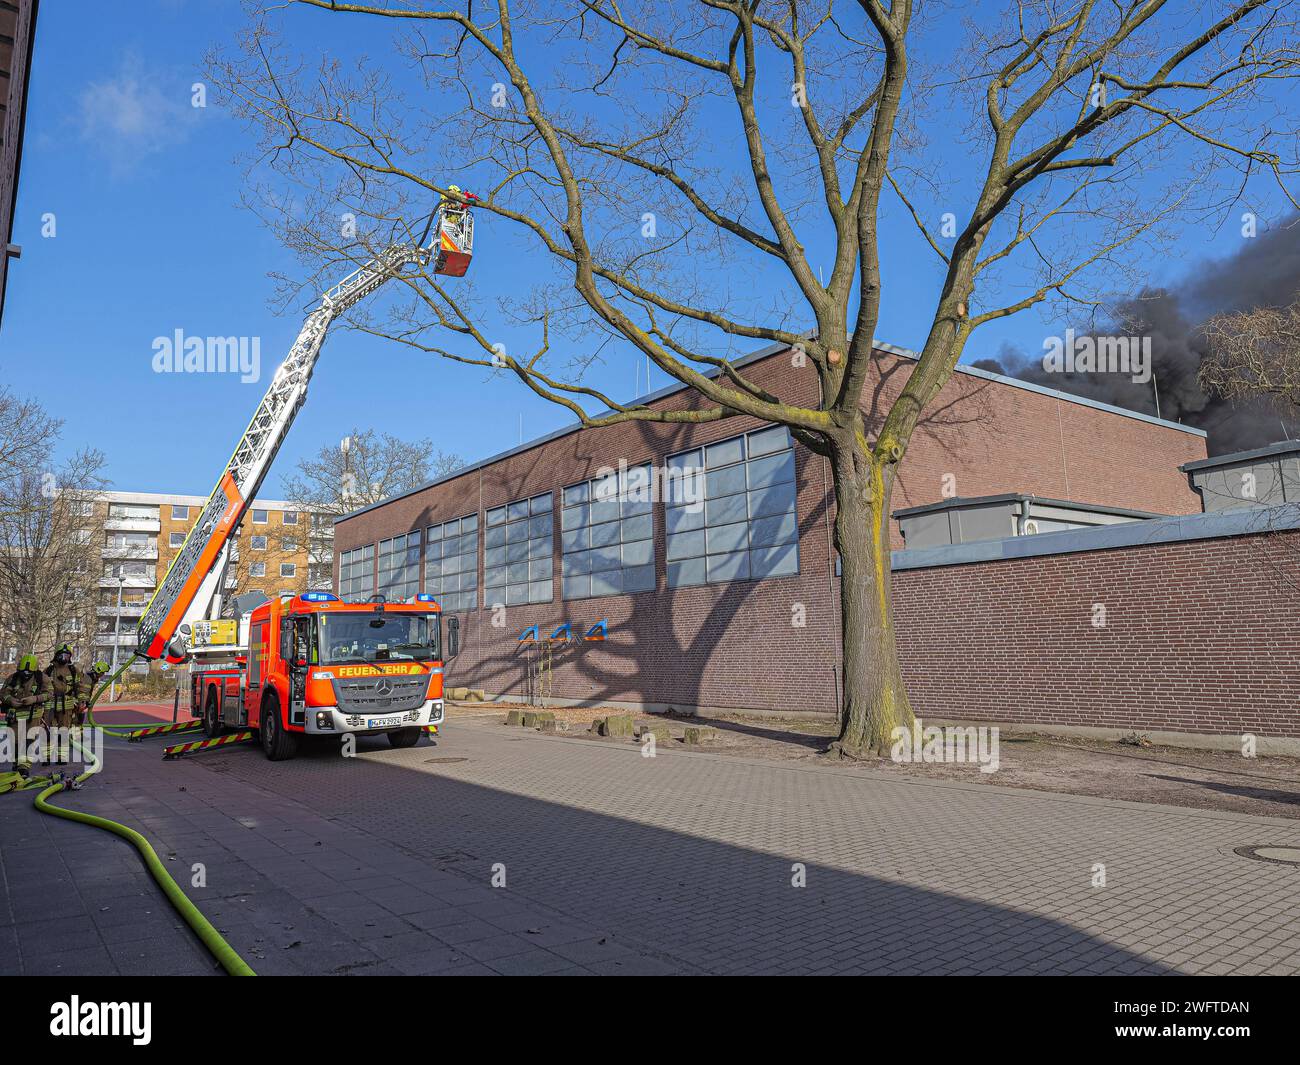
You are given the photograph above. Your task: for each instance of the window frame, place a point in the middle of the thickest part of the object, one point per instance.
(409, 567)
(633, 511)
(520, 548)
(757, 475)
(466, 577)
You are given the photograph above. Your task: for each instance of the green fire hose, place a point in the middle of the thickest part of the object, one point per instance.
(209, 936)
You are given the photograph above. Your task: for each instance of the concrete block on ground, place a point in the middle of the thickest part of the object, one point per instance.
(534, 718)
(617, 725)
(700, 735)
(662, 733)
(515, 717)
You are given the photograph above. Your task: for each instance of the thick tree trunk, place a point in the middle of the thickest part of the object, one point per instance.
(875, 702)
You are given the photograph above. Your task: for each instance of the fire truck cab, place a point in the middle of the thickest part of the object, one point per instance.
(313, 664)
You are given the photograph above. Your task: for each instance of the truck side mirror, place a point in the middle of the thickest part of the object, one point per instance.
(453, 637)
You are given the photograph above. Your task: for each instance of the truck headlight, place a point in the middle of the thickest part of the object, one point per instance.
(324, 720)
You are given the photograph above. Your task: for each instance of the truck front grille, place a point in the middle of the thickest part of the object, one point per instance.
(390, 695)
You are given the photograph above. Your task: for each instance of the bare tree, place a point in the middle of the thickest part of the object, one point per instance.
(1255, 353)
(26, 432)
(364, 468)
(49, 558)
(595, 131)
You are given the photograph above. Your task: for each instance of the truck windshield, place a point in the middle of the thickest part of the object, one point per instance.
(378, 637)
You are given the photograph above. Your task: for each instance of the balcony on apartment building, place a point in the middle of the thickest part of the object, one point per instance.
(121, 549)
(128, 610)
(132, 523)
(118, 639)
(129, 580)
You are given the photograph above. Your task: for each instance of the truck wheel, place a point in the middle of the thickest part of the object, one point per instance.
(212, 726)
(404, 737)
(278, 744)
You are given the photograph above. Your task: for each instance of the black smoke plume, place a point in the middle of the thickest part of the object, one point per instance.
(1265, 272)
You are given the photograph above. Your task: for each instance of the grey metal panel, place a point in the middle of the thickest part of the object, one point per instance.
(1236, 458)
(1185, 527)
(926, 530)
(986, 523)
(1248, 484)
(1036, 501)
(958, 525)
(1078, 516)
(1289, 467)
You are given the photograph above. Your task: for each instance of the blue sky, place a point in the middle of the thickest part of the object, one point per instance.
(150, 238)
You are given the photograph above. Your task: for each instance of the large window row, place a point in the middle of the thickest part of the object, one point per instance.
(357, 573)
(451, 563)
(607, 534)
(729, 515)
(399, 567)
(742, 524)
(517, 548)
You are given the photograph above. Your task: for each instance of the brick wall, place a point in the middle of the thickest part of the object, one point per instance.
(1200, 636)
(736, 645)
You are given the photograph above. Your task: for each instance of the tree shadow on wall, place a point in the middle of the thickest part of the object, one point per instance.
(682, 653)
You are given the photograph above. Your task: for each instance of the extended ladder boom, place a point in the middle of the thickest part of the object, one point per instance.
(191, 581)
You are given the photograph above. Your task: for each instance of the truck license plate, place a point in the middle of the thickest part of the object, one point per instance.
(383, 722)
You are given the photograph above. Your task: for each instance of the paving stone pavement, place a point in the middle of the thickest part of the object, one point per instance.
(616, 863)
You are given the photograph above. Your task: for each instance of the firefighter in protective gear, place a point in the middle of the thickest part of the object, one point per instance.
(22, 697)
(94, 674)
(456, 202)
(68, 692)
(447, 202)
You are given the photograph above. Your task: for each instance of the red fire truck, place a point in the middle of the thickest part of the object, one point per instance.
(315, 665)
(309, 663)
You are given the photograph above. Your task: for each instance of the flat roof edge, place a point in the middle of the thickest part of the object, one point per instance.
(563, 431)
(1179, 529)
(762, 353)
(1069, 397)
(1232, 458)
(958, 502)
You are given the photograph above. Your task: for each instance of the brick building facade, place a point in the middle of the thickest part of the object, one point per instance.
(1178, 625)
(768, 642)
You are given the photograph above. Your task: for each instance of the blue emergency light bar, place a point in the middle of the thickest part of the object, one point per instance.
(318, 597)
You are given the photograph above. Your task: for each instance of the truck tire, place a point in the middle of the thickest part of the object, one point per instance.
(212, 726)
(404, 737)
(278, 744)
